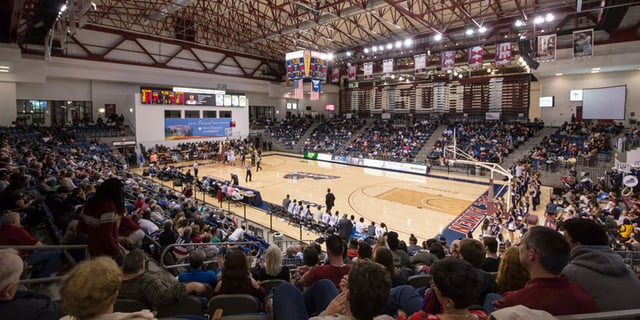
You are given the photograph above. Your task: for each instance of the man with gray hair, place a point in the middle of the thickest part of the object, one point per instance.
(291, 258)
(17, 304)
(12, 233)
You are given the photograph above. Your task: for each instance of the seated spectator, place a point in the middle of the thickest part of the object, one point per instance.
(384, 256)
(291, 258)
(512, 275)
(428, 257)
(12, 233)
(129, 229)
(84, 295)
(153, 289)
(363, 297)
(149, 227)
(197, 273)
(182, 252)
(310, 260)
(472, 251)
(236, 277)
(272, 267)
(334, 269)
(457, 286)
(364, 252)
(491, 261)
(18, 304)
(545, 252)
(413, 245)
(400, 257)
(168, 235)
(597, 269)
(237, 234)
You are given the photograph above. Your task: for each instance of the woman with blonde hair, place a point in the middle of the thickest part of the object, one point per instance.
(85, 296)
(271, 267)
(512, 275)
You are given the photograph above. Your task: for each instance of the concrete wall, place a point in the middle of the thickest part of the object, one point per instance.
(559, 87)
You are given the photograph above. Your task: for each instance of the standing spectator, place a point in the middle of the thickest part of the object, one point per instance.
(196, 167)
(344, 228)
(545, 252)
(99, 219)
(329, 200)
(18, 304)
(597, 269)
(285, 202)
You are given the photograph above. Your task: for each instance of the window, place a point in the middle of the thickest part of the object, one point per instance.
(192, 114)
(209, 114)
(31, 111)
(172, 114)
(225, 114)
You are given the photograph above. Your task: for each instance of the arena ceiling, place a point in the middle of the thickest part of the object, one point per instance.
(264, 30)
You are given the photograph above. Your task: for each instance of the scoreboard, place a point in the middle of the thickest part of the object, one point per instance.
(295, 65)
(306, 64)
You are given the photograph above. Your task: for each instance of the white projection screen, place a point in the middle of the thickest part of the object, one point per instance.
(604, 103)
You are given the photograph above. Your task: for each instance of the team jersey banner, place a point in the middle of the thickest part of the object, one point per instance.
(420, 63)
(387, 67)
(353, 69)
(315, 90)
(583, 43)
(368, 70)
(475, 56)
(547, 48)
(447, 60)
(335, 75)
(503, 53)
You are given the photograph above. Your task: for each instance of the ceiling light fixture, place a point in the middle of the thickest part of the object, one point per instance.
(4, 70)
(374, 48)
(389, 46)
(549, 17)
(469, 32)
(348, 53)
(380, 48)
(595, 69)
(5, 67)
(366, 50)
(558, 74)
(519, 23)
(408, 42)
(330, 56)
(398, 44)
(538, 20)
(482, 29)
(437, 37)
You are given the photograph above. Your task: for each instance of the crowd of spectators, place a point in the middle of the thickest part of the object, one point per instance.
(289, 131)
(382, 140)
(487, 141)
(331, 134)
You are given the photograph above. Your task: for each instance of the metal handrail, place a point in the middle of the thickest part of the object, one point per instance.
(47, 247)
(226, 244)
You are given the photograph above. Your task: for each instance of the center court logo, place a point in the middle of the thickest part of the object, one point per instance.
(307, 175)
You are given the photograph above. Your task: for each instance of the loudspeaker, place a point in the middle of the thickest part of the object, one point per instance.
(524, 47)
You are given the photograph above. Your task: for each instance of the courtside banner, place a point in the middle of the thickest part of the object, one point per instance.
(503, 53)
(183, 129)
(420, 63)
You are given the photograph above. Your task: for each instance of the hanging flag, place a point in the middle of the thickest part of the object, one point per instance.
(547, 48)
(315, 90)
(298, 90)
(475, 56)
(335, 75)
(503, 53)
(447, 60)
(583, 43)
(352, 72)
(387, 67)
(420, 63)
(368, 70)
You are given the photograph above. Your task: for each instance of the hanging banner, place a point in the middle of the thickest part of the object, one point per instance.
(352, 72)
(335, 75)
(420, 63)
(583, 43)
(503, 53)
(387, 67)
(298, 90)
(475, 56)
(447, 60)
(307, 62)
(547, 48)
(315, 90)
(368, 70)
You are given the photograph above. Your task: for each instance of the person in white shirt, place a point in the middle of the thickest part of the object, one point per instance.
(237, 234)
(292, 205)
(360, 226)
(334, 219)
(318, 215)
(326, 217)
(381, 230)
(305, 211)
(296, 209)
(148, 226)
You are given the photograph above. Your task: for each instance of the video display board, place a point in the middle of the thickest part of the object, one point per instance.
(218, 98)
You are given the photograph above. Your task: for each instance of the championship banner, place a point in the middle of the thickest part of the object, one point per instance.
(503, 53)
(547, 48)
(352, 72)
(335, 75)
(447, 60)
(475, 56)
(315, 90)
(583, 43)
(298, 90)
(420, 63)
(387, 67)
(368, 70)
(307, 62)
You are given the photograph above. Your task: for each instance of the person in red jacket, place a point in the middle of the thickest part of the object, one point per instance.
(99, 219)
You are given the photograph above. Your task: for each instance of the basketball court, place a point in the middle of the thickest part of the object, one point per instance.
(406, 203)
